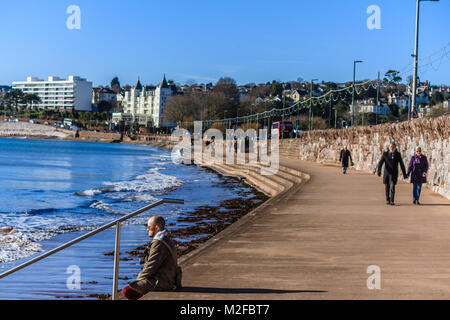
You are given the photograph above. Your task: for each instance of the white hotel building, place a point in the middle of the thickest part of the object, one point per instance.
(57, 93)
(145, 104)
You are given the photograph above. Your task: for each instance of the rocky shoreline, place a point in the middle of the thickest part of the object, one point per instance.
(201, 224)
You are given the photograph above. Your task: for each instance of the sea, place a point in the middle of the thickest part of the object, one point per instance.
(52, 191)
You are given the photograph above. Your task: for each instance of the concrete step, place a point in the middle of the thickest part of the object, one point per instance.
(270, 189)
(282, 178)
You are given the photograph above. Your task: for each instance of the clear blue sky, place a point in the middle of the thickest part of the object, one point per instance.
(248, 40)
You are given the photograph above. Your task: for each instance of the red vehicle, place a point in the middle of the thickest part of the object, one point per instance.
(284, 129)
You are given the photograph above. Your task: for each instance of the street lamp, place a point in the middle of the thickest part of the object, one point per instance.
(416, 55)
(310, 103)
(224, 117)
(353, 91)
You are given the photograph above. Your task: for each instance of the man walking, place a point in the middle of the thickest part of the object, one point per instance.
(391, 159)
(345, 155)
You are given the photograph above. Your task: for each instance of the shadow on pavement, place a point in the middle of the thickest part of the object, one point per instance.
(243, 290)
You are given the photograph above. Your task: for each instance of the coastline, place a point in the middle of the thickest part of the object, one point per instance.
(200, 225)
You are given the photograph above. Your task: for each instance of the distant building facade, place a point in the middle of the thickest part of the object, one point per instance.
(101, 94)
(56, 93)
(145, 104)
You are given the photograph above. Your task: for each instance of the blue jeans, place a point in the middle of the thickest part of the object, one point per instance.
(344, 169)
(416, 191)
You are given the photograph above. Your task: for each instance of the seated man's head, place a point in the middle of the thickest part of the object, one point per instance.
(155, 224)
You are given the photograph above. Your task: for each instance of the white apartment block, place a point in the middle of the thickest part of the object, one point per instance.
(57, 93)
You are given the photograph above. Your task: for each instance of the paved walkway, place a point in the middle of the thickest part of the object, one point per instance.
(316, 241)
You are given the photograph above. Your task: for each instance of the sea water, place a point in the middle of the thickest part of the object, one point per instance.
(52, 191)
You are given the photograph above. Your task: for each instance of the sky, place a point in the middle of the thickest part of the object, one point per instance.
(202, 40)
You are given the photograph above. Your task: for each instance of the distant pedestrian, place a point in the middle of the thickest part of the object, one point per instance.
(391, 159)
(344, 157)
(418, 167)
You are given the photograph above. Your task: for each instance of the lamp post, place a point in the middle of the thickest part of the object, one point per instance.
(310, 103)
(353, 91)
(224, 117)
(416, 55)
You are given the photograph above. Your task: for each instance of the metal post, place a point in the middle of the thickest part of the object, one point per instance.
(416, 58)
(116, 262)
(416, 46)
(353, 91)
(329, 111)
(310, 104)
(378, 97)
(335, 117)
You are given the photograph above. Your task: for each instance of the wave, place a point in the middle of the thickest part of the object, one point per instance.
(151, 181)
(100, 205)
(15, 245)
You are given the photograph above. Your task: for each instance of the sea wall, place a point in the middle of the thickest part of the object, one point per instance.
(367, 144)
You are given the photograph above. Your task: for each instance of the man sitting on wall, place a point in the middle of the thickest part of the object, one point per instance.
(160, 263)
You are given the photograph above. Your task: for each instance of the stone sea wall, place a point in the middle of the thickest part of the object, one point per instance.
(367, 144)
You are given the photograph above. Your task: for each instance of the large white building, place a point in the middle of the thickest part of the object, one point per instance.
(57, 93)
(145, 104)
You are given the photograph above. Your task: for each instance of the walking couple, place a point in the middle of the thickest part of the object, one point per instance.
(417, 169)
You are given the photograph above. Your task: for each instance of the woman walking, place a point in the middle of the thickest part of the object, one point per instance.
(418, 167)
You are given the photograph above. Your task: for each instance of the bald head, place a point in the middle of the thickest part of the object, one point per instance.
(158, 220)
(155, 224)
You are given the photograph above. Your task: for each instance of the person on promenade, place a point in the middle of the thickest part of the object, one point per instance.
(160, 263)
(417, 168)
(391, 159)
(344, 157)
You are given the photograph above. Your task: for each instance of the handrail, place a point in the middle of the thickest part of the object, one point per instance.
(117, 223)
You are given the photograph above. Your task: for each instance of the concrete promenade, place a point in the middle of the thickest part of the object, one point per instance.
(316, 240)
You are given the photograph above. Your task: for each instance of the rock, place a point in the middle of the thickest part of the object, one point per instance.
(6, 230)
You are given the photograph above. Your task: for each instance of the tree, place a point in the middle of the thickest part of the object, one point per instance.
(115, 84)
(14, 97)
(105, 106)
(436, 98)
(30, 98)
(225, 96)
(393, 76)
(276, 89)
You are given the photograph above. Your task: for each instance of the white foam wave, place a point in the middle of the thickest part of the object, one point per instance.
(153, 180)
(15, 245)
(100, 205)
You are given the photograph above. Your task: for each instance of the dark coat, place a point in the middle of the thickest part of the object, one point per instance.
(391, 166)
(345, 155)
(417, 167)
(159, 267)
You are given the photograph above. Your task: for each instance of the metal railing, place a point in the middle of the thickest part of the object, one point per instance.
(116, 223)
